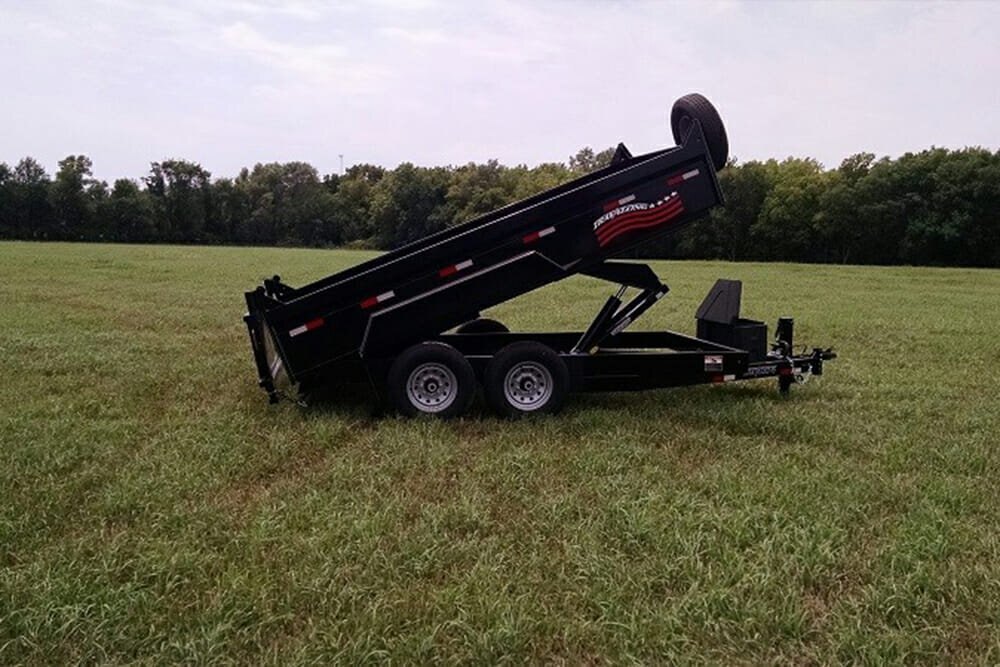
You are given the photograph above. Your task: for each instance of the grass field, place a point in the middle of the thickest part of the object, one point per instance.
(156, 509)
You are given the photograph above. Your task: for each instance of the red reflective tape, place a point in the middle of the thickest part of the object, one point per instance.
(611, 205)
(308, 326)
(454, 268)
(718, 378)
(534, 236)
(375, 300)
(680, 178)
(785, 370)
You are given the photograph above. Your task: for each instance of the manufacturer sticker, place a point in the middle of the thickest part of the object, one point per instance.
(713, 363)
(762, 371)
(627, 215)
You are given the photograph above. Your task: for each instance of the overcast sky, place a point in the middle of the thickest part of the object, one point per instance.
(229, 83)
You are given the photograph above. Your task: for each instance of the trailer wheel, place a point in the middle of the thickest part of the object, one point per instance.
(695, 106)
(431, 379)
(482, 325)
(526, 378)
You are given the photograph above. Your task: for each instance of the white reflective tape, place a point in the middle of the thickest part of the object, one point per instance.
(463, 265)
(298, 330)
(690, 174)
(385, 296)
(625, 200)
(621, 327)
(276, 367)
(546, 231)
(728, 378)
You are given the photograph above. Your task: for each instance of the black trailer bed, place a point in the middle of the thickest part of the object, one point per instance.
(424, 288)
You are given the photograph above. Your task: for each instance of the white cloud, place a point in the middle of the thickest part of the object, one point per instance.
(414, 36)
(304, 66)
(309, 11)
(230, 82)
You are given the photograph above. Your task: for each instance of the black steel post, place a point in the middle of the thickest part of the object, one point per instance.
(784, 334)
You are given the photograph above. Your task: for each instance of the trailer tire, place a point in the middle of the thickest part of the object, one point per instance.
(695, 106)
(526, 378)
(431, 379)
(482, 325)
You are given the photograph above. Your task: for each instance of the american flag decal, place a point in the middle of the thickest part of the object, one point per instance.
(655, 215)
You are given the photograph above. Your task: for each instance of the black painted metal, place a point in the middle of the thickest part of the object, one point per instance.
(622, 154)
(625, 273)
(510, 252)
(719, 319)
(784, 333)
(722, 303)
(600, 323)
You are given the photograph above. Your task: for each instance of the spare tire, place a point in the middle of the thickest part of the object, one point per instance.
(697, 107)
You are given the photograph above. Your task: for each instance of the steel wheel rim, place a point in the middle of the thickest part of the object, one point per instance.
(528, 385)
(432, 387)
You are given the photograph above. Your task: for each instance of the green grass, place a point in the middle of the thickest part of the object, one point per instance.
(154, 508)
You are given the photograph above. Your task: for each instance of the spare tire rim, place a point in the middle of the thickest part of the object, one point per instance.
(528, 385)
(432, 387)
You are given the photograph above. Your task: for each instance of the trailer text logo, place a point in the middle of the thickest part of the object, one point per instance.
(626, 215)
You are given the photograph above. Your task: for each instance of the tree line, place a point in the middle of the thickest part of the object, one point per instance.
(937, 206)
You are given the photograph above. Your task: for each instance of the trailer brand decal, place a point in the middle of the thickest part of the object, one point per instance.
(454, 268)
(534, 236)
(713, 362)
(761, 371)
(680, 178)
(375, 300)
(308, 326)
(636, 215)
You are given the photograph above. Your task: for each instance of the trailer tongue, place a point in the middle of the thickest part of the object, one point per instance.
(385, 320)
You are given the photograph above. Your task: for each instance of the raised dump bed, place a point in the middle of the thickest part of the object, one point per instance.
(385, 321)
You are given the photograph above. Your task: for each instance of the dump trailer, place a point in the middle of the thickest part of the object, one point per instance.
(408, 321)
